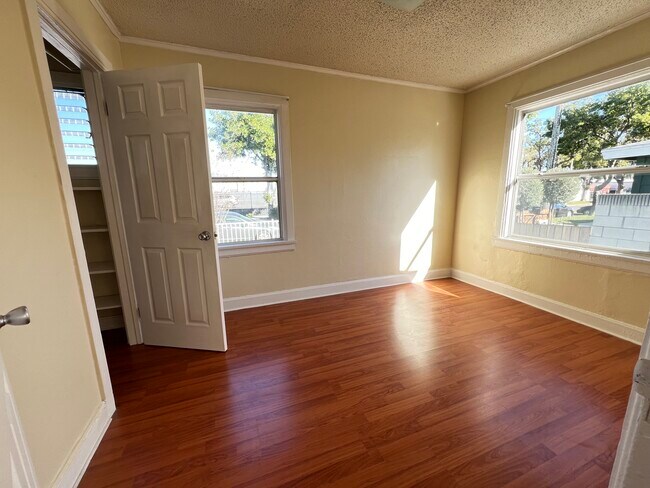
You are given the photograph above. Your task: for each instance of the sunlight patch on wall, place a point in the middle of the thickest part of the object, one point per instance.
(416, 249)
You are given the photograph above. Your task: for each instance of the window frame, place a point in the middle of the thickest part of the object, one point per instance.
(629, 74)
(222, 99)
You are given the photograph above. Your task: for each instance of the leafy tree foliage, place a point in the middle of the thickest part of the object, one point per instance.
(246, 134)
(530, 193)
(561, 190)
(537, 144)
(620, 117)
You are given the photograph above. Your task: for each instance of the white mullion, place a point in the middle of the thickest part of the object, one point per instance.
(586, 172)
(252, 179)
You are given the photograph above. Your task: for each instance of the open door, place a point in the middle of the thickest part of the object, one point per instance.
(15, 465)
(158, 134)
(631, 467)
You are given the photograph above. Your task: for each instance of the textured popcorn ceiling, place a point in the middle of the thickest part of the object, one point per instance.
(453, 43)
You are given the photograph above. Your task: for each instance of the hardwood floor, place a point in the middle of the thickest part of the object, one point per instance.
(438, 384)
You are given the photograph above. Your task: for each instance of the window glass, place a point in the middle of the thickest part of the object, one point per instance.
(572, 135)
(246, 211)
(583, 172)
(245, 177)
(242, 144)
(75, 127)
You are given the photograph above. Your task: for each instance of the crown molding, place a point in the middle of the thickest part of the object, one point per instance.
(108, 20)
(283, 64)
(593, 38)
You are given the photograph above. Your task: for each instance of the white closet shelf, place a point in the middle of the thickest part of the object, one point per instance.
(93, 228)
(101, 267)
(86, 188)
(107, 302)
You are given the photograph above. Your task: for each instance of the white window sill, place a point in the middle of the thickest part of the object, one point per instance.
(596, 257)
(233, 250)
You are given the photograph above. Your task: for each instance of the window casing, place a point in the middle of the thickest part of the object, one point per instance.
(574, 242)
(239, 230)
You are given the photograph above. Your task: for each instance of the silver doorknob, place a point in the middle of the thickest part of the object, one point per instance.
(17, 316)
(205, 236)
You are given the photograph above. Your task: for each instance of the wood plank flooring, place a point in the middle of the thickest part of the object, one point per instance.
(439, 384)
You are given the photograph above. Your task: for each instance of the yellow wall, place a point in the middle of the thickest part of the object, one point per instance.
(50, 363)
(615, 294)
(364, 157)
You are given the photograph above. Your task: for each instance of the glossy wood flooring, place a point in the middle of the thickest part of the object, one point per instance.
(436, 385)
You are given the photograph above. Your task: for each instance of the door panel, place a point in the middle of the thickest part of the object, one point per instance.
(179, 164)
(142, 174)
(157, 125)
(155, 263)
(193, 278)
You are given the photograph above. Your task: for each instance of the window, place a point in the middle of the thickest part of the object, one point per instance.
(248, 143)
(578, 167)
(75, 126)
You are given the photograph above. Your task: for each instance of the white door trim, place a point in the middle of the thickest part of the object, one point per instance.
(37, 11)
(73, 470)
(636, 411)
(61, 30)
(18, 444)
(112, 205)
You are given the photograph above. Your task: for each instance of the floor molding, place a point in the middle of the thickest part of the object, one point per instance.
(295, 294)
(74, 469)
(608, 325)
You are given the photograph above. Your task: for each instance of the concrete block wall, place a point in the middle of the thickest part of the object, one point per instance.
(622, 221)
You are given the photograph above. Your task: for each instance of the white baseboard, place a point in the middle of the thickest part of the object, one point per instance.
(72, 472)
(610, 326)
(295, 294)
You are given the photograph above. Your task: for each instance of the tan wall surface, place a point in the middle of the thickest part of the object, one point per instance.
(364, 157)
(619, 295)
(50, 363)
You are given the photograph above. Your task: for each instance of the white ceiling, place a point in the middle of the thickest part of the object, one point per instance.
(451, 43)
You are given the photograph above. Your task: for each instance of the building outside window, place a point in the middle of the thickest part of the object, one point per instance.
(72, 113)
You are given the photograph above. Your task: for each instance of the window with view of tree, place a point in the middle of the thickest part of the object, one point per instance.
(580, 174)
(246, 166)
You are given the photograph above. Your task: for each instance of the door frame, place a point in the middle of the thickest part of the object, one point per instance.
(636, 410)
(54, 24)
(47, 19)
(108, 182)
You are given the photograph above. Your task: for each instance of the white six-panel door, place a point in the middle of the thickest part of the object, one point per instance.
(158, 133)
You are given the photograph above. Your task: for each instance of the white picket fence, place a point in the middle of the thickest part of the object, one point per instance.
(229, 232)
